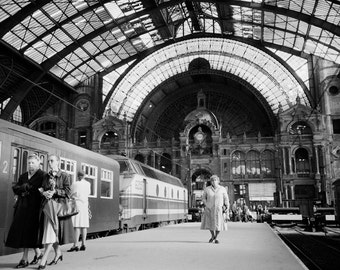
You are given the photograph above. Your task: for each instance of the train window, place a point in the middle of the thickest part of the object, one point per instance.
(69, 166)
(157, 190)
(15, 166)
(106, 184)
(91, 176)
(177, 194)
(172, 193)
(24, 161)
(42, 162)
(165, 192)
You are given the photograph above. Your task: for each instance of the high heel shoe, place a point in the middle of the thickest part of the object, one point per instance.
(22, 264)
(55, 261)
(36, 259)
(42, 266)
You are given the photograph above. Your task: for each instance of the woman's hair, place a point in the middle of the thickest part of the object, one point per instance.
(54, 155)
(214, 177)
(34, 156)
(81, 174)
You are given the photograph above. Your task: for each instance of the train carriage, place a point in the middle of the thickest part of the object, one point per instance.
(16, 143)
(149, 197)
(146, 196)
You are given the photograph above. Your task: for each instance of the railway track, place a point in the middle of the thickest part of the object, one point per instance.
(317, 250)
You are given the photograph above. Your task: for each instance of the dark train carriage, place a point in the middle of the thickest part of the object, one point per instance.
(16, 143)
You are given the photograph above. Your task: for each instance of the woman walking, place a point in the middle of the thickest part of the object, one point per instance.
(56, 231)
(216, 200)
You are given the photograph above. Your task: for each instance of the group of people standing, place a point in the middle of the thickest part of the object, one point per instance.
(35, 222)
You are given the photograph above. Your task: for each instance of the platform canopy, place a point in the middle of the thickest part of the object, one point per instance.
(74, 40)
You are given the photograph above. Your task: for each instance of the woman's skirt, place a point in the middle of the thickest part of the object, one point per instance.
(49, 236)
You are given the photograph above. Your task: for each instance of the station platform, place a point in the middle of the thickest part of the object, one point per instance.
(180, 246)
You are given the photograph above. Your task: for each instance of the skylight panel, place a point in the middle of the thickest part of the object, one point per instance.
(71, 81)
(209, 9)
(308, 6)
(335, 43)
(10, 7)
(333, 16)
(296, 5)
(322, 10)
(263, 77)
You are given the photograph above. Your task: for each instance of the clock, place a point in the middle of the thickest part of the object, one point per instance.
(83, 104)
(199, 137)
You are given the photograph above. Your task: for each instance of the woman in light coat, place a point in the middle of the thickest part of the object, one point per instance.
(80, 190)
(216, 201)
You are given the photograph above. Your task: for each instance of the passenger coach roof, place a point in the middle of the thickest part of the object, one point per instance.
(74, 40)
(148, 171)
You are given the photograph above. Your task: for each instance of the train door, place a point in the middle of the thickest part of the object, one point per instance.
(17, 165)
(19, 160)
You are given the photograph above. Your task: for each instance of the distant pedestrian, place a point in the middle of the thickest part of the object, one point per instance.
(216, 200)
(245, 213)
(24, 229)
(80, 191)
(234, 211)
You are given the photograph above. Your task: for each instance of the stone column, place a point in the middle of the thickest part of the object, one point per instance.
(285, 187)
(290, 161)
(292, 191)
(317, 160)
(284, 161)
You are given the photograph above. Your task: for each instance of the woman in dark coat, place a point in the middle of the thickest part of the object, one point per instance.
(24, 229)
(56, 231)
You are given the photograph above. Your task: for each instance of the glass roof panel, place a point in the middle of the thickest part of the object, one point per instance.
(238, 58)
(56, 25)
(333, 16)
(10, 7)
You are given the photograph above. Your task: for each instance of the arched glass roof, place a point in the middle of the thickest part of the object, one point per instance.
(76, 39)
(252, 65)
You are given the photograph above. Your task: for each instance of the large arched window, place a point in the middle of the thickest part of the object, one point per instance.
(267, 164)
(238, 166)
(302, 162)
(253, 164)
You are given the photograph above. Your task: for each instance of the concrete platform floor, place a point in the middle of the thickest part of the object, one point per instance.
(182, 246)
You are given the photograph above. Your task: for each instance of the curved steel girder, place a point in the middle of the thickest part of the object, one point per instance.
(15, 19)
(286, 49)
(303, 17)
(256, 44)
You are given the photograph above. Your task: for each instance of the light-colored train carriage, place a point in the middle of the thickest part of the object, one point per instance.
(16, 143)
(149, 197)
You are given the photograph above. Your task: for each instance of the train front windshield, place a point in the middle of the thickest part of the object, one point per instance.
(124, 166)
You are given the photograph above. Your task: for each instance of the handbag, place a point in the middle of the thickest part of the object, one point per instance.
(67, 208)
